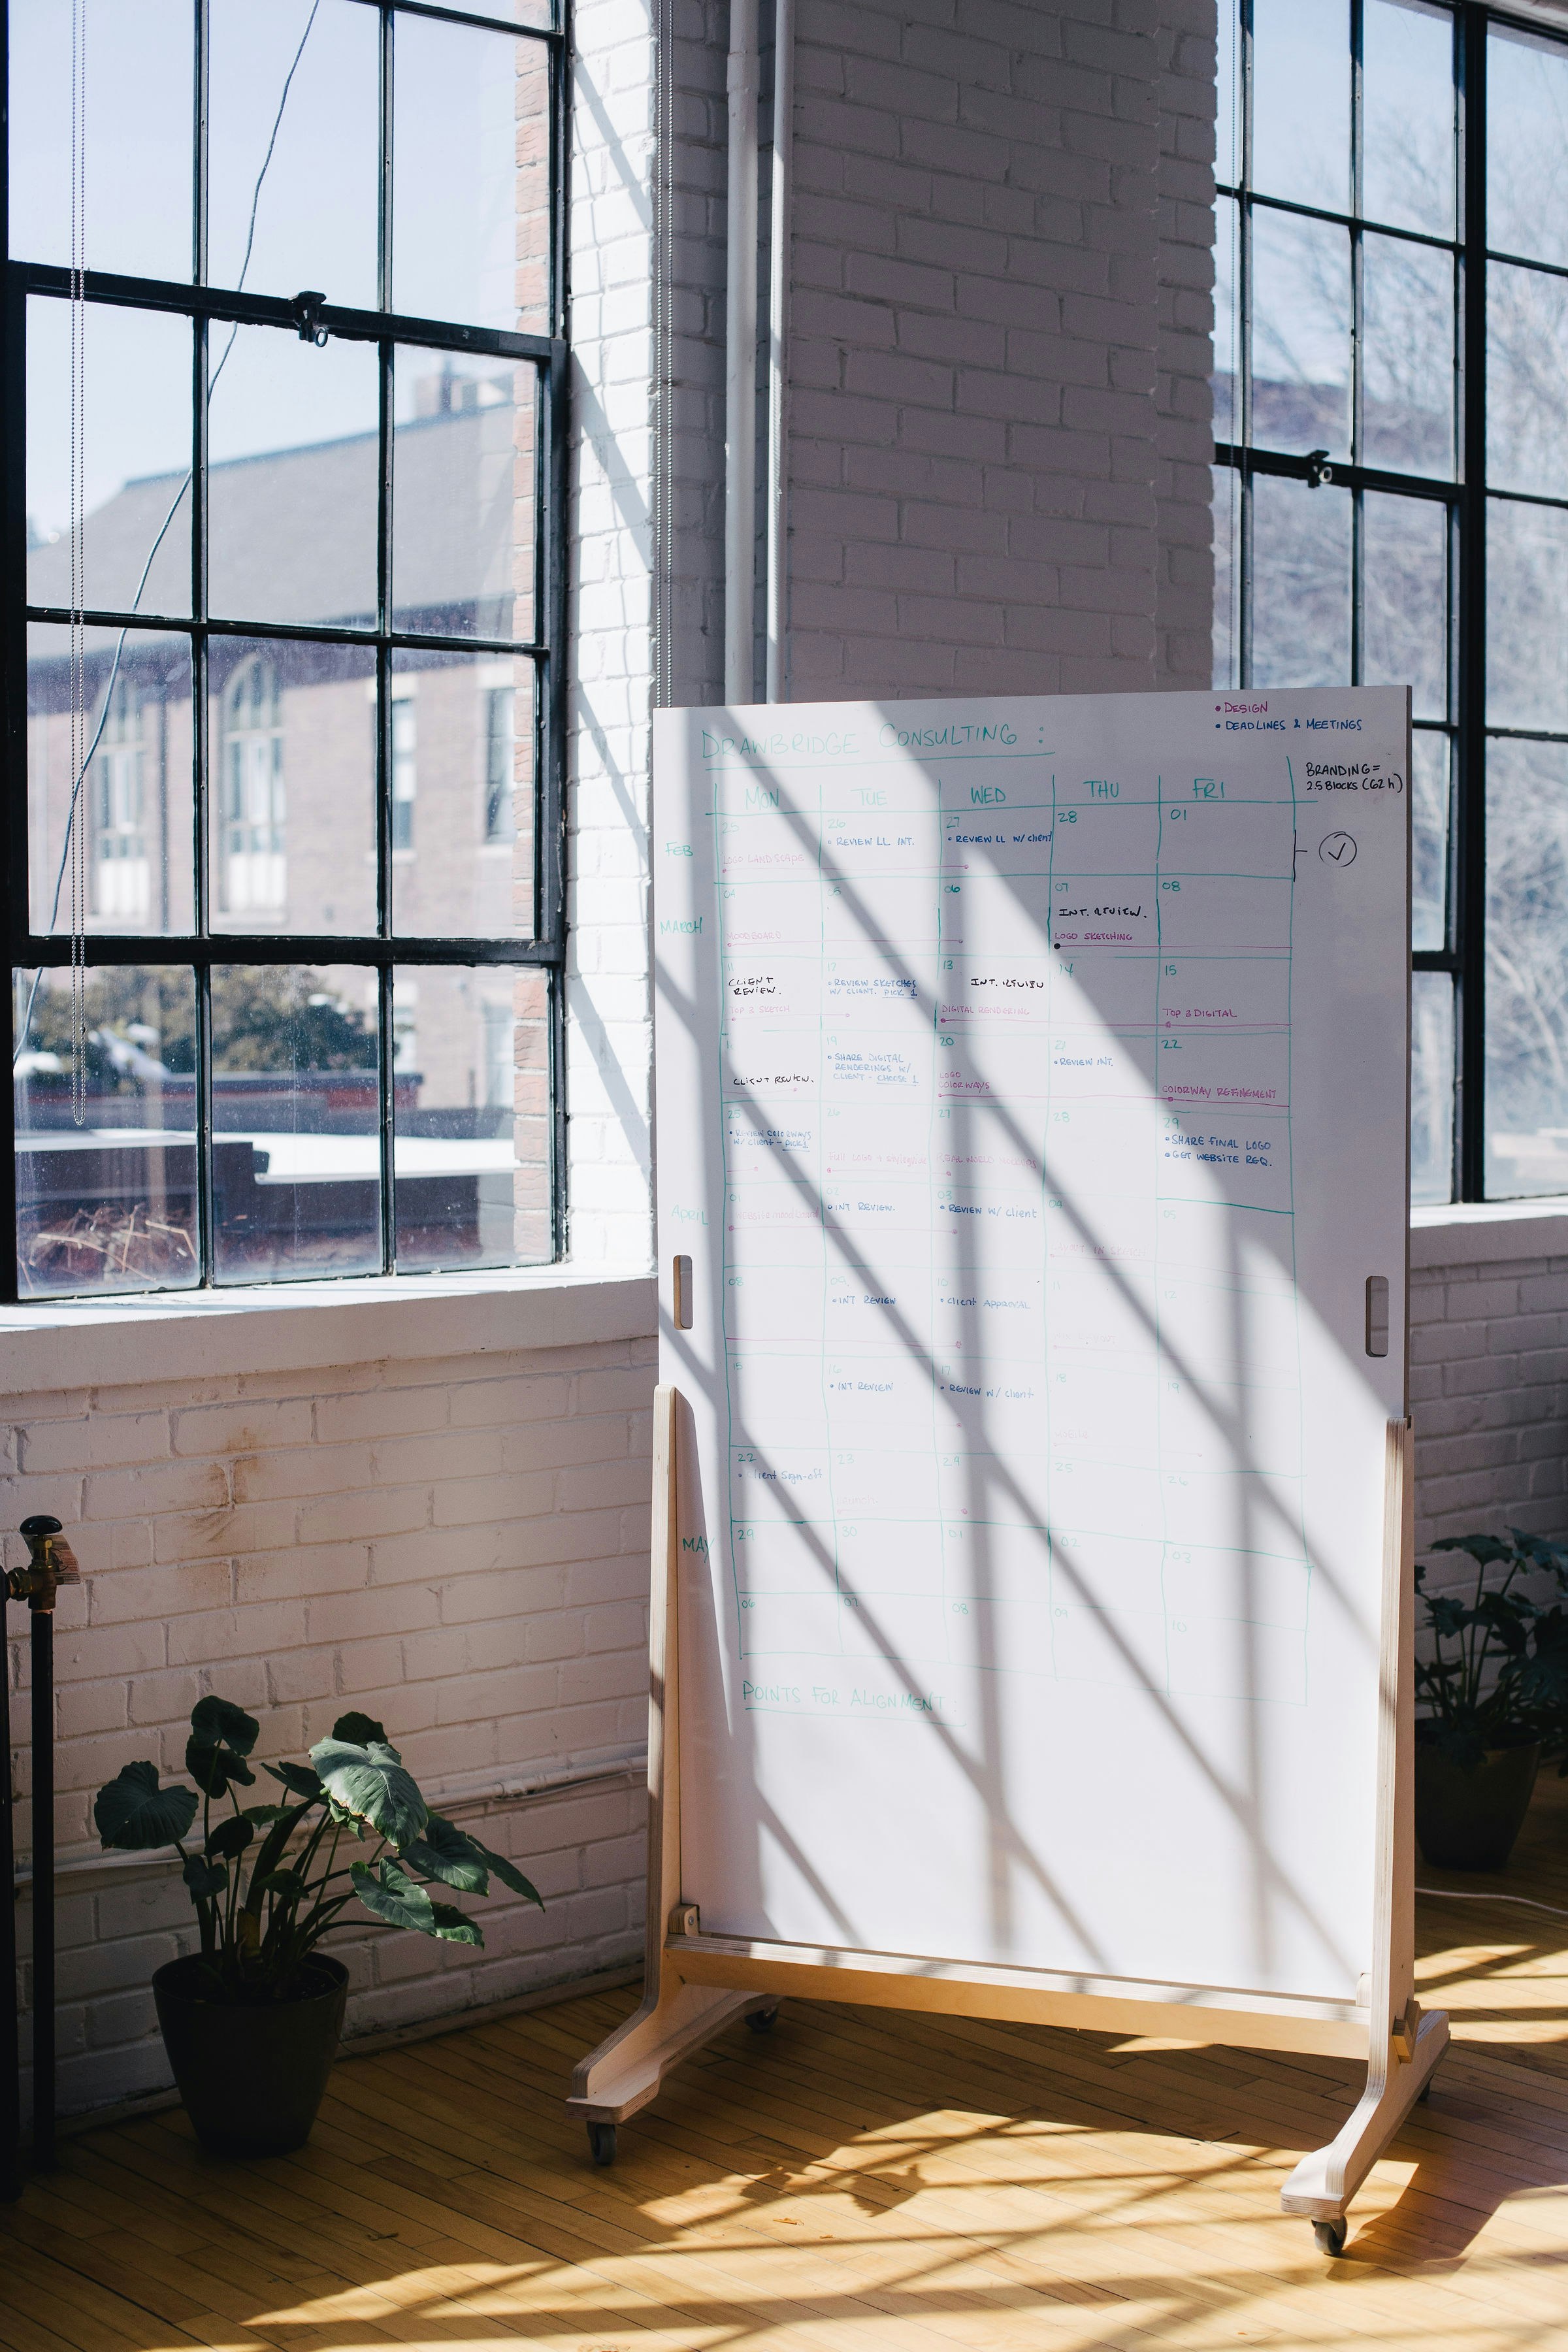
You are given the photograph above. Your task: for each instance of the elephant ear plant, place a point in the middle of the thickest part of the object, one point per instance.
(259, 1925)
(1493, 1690)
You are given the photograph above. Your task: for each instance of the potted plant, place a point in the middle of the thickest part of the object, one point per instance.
(1493, 1690)
(251, 2020)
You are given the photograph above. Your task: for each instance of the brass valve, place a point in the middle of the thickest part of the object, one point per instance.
(50, 1564)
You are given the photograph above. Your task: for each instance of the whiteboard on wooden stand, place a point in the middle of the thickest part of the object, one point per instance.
(1032, 1140)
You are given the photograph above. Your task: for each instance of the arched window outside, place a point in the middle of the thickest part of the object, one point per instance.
(121, 873)
(254, 874)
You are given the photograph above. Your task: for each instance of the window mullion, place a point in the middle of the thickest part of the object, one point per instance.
(1469, 936)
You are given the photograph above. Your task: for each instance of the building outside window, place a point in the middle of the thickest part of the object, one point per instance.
(359, 501)
(255, 862)
(121, 870)
(1392, 495)
(405, 744)
(500, 754)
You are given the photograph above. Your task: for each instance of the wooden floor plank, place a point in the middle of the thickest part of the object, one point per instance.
(859, 2181)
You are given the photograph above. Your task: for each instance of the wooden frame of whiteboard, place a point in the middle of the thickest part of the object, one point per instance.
(696, 1984)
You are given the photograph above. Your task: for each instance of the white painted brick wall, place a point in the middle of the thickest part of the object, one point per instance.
(1183, 587)
(975, 442)
(1488, 1385)
(458, 1546)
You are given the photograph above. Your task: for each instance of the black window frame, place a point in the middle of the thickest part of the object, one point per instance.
(207, 305)
(1466, 496)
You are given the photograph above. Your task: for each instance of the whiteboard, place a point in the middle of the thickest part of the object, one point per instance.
(1032, 1108)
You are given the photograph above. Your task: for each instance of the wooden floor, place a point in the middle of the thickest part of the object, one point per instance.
(854, 2180)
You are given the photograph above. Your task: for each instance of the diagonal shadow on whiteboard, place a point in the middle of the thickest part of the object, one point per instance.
(1017, 1341)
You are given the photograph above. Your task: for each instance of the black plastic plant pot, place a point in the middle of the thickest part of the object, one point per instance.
(251, 2079)
(1469, 1820)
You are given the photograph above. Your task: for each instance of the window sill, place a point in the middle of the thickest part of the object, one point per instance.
(1487, 1233)
(91, 1343)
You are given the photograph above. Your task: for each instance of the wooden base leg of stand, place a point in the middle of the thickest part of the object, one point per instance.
(624, 2072)
(675, 2019)
(1406, 2045)
(1324, 2182)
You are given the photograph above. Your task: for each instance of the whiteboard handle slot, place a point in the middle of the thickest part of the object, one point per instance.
(681, 1290)
(1377, 1315)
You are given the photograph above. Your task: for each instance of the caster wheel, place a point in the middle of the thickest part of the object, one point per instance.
(602, 2142)
(762, 2020)
(1331, 2237)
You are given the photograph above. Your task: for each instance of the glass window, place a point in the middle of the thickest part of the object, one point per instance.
(1351, 531)
(285, 643)
(104, 1090)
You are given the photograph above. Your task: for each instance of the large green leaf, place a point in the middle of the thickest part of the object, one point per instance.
(508, 1873)
(393, 1897)
(359, 1730)
(443, 1852)
(455, 1927)
(370, 1784)
(216, 1722)
(204, 1877)
(134, 1812)
(230, 1838)
(297, 1777)
(215, 1768)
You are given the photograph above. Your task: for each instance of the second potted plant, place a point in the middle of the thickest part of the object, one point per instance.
(251, 2020)
(1494, 1689)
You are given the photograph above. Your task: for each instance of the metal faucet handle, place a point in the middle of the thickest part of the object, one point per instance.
(51, 1563)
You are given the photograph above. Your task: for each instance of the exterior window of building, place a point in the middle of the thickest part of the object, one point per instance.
(404, 745)
(121, 871)
(499, 753)
(254, 867)
(251, 514)
(1392, 496)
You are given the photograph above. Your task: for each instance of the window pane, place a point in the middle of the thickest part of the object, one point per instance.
(1301, 101)
(463, 768)
(1407, 115)
(1227, 576)
(1226, 320)
(138, 160)
(292, 806)
(134, 805)
(302, 80)
(463, 495)
(1527, 155)
(1300, 334)
(1431, 1087)
(472, 176)
(1527, 370)
(1405, 556)
(1527, 596)
(1227, 97)
(1301, 584)
(1527, 968)
(515, 12)
(296, 1122)
(1431, 813)
(472, 1159)
(136, 541)
(294, 479)
(112, 1204)
(1407, 399)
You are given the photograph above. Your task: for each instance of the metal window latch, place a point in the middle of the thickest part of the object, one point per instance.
(307, 308)
(1318, 469)
(51, 1563)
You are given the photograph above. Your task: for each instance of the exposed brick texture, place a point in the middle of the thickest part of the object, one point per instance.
(459, 1547)
(1489, 1386)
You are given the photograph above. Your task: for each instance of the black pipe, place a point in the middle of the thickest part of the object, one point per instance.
(51, 1563)
(43, 1888)
(10, 2103)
